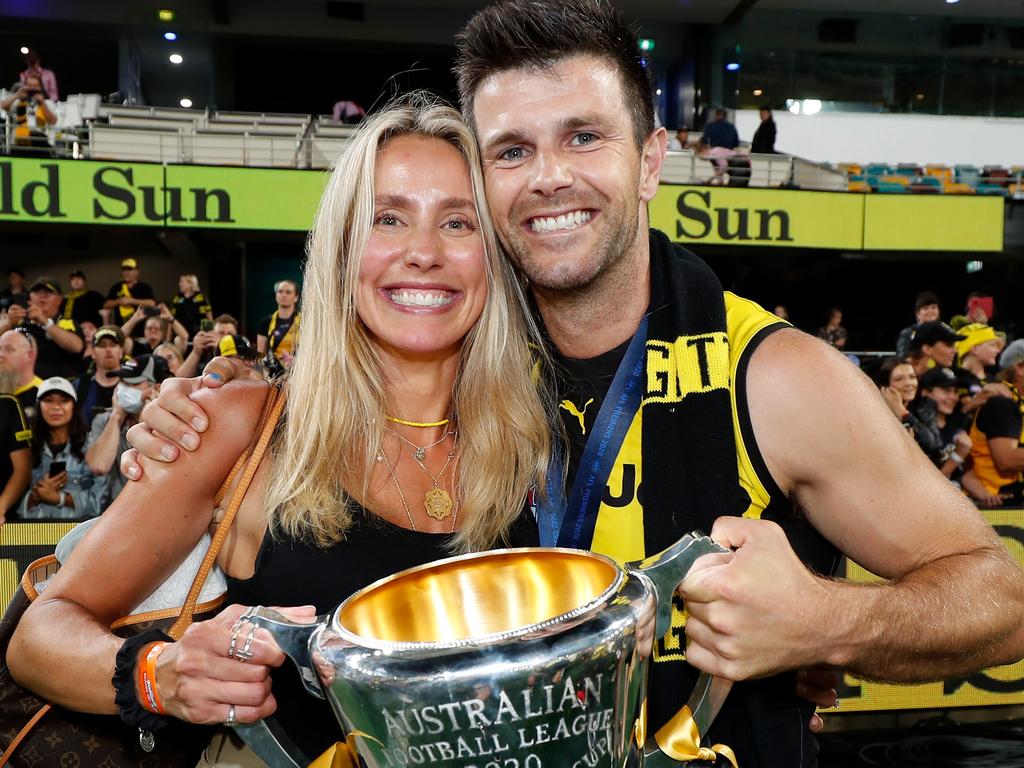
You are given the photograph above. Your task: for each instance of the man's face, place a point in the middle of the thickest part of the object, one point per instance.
(16, 352)
(153, 333)
(220, 330)
(564, 178)
(107, 354)
(929, 313)
(130, 274)
(46, 300)
(16, 281)
(77, 282)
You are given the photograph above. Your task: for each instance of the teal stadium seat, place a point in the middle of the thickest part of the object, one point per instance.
(892, 188)
(927, 185)
(992, 189)
(968, 174)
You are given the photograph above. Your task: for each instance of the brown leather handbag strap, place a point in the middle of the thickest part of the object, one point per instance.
(272, 409)
(268, 403)
(25, 731)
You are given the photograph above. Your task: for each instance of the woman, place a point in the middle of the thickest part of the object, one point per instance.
(279, 331)
(172, 355)
(418, 323)
(897, 382)
(833, 333)
(189, 306)
(62, 485)
(763, 142)
(942, 430)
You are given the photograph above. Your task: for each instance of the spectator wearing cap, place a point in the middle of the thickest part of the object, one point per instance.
(59, 341)
(127, 295)
(204, 343)
(15, 292)
(942, 431)
(139, 381)
(157, 326)
(82, 304)
(933, 345)
(997, 446)
(95, 391)
(279, 332)
(926, 310)
(189, 306)
(18, 368)
(63, 487)
(978, 355)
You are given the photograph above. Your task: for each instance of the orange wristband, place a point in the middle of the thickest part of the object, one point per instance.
(145, 677)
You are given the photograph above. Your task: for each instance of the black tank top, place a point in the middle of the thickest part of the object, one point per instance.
(293, 572)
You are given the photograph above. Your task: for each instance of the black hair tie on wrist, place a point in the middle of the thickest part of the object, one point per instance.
(125, 696)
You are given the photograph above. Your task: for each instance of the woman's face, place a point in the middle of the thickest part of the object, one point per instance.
(184, 284)
(173, 363)
(57, 409)
(422, 278)
(904, 380)
(945, 398)
(285, 295)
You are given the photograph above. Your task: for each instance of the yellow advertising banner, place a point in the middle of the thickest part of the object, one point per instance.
(20, 544)
(999, 685)
(146, 194)
(834, 220)
(933, 223)
(762, 217)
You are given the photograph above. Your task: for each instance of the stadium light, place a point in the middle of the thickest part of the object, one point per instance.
(172, 36)
(646, 44)
(186, 103)
(952, 2)
(732, 66)
(175, 58)
(24, 49)
(758, 91)
(811, 106)
(165, 15)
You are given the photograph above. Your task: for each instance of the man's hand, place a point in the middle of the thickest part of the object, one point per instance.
(173, 420)
(752, 612)
(16, 315)
(36, 315)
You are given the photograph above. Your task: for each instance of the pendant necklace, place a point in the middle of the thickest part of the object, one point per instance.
(419, 452)
(436, 496)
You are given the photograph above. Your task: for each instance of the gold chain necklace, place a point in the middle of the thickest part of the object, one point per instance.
(451, 509)
(419, 451)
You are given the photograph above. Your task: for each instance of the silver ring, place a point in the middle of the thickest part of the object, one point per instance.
(245, 652)
(232, 721)
(836, 705)
(234, 642)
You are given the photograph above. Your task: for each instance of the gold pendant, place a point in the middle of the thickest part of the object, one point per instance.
(438, 503)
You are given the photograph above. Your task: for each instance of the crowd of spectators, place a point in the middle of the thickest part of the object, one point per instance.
(720, 144)
(958, 388)
(77, 367)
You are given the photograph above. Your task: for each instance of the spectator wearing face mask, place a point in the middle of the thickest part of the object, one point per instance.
(139, 379)
(62, 485)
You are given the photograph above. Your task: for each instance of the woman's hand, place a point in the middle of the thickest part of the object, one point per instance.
(963, 444)
(48, 489)
(200, 683)
(894, 400)
(173, 419)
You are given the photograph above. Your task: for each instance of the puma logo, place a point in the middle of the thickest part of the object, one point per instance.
(571, 408)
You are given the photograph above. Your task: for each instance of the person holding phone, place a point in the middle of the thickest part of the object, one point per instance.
(31, 112)
(158, 325)
(62, 486)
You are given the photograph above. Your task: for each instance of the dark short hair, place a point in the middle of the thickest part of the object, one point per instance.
(925, 299)
(515, 34)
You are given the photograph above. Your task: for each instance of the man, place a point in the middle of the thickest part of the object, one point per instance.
(129, 294)
(997, 436)
(139, 379)
(15, 456)
(205, 342)
(34, 68)
(18, 369)
(563, 111)
(82, 304)
(15, 292)
(933, 344)
(95, 393)
(278, 332)
(926, 310)
(59, 341)
(31, 113)
(720, 132)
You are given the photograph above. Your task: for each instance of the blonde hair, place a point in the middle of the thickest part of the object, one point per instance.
(193, 282)
(324, 455)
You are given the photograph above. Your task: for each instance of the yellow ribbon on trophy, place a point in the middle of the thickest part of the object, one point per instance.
(343, 754)
(679, 738)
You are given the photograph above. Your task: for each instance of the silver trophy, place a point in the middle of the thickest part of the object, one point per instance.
(514, 658)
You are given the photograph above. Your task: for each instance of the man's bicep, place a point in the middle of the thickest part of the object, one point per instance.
(832, 444)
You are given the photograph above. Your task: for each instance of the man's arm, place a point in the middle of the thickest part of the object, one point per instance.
(954, 601)
(1007, 455)
(67, 340)
(18, 482)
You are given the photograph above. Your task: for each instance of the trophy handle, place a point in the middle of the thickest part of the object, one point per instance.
(265, 737)
(679, 740)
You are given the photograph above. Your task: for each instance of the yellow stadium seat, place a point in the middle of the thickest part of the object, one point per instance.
(951, 188)
(896, 178)
(858, 186)
(941, 171)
